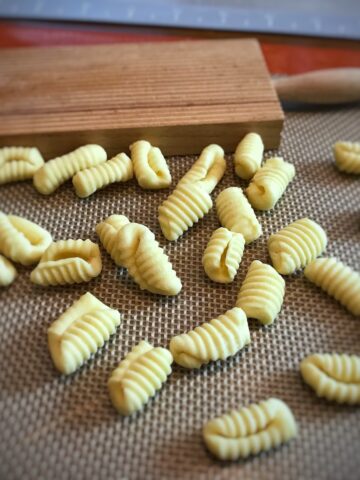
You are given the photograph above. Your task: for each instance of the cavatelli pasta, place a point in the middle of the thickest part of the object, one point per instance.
(218, 339)
(223, 255)
(68, 261)
(80, 332)
(19, 163)
(338, 280)
(57, 171)
(138, 377)
(269, 183)
(296, 245)
(347, 156)
(22, 241)
(333, 376)
(262, 293)
(236, 214)
(135, 248)
(248, 156)
(150, 167)
(250, 430)
(191, 200)
(7, 272)
(118, 169)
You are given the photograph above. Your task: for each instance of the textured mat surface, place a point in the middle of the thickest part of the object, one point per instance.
(54, 427)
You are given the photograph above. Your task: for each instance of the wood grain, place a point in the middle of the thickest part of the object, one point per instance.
(180, 96)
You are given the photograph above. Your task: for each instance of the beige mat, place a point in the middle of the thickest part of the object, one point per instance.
(65, 428)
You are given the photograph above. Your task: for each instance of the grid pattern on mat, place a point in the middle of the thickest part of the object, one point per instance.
(55, 427)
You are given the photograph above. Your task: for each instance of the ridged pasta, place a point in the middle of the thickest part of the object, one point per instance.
(338, 280)
(67, 262)
(248, 156)
(223, 255)
(333, 376)
(8, 272)
(19, 163)
(262, 293)
(191, 200)
(218, 339)
(134, 247)
(80, 331)
(296, 245)
(269, 183)
(250, 430)
(118, 169)
(347, 156)
(22, 241)
(57, 171)
(138, 377)
(150, 167)
(236, 214)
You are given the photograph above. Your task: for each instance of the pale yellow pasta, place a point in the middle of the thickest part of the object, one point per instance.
(347, 156)
(262, 293)
(333, 376)
(8, 272)
(138, 377)
(269, 183)
(191, 200)
(80, 331)
(118, 169)
(67, 262)
(22, 241)
(150, 167)
(338, 280)
(296, 245)
(250, 430)
(19, 163)
(248, 156)
(57, 171)
(236, 214)
(218, 339)
(223, 255)
(134, 247)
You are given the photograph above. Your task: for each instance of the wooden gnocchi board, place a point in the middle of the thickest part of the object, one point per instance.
(181, 96)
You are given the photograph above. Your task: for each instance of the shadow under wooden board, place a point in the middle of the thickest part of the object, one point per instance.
(180, 96)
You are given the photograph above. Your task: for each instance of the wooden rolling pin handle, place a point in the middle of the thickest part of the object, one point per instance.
(338, 85)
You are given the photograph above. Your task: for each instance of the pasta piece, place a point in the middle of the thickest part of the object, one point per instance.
(57, 171)
(262, 293)
(134, 247)
(250, 430)
(334, 377)
(67, 262)
(218, 339)
(223, 255)
(248, 156)
(8, 272)
(208, 169)
(296, 245)
(19, 163)
(107, 231)
(138, 377)
(338, 280)
(269, 183)
(80, 332)
(347, 156)
(191, 200)
(22, 241)
(236, 214)
(150, 167)
(118, 169)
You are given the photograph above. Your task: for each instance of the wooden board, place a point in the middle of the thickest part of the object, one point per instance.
(180, 96)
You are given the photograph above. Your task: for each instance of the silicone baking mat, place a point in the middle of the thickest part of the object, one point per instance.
(61, 428)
